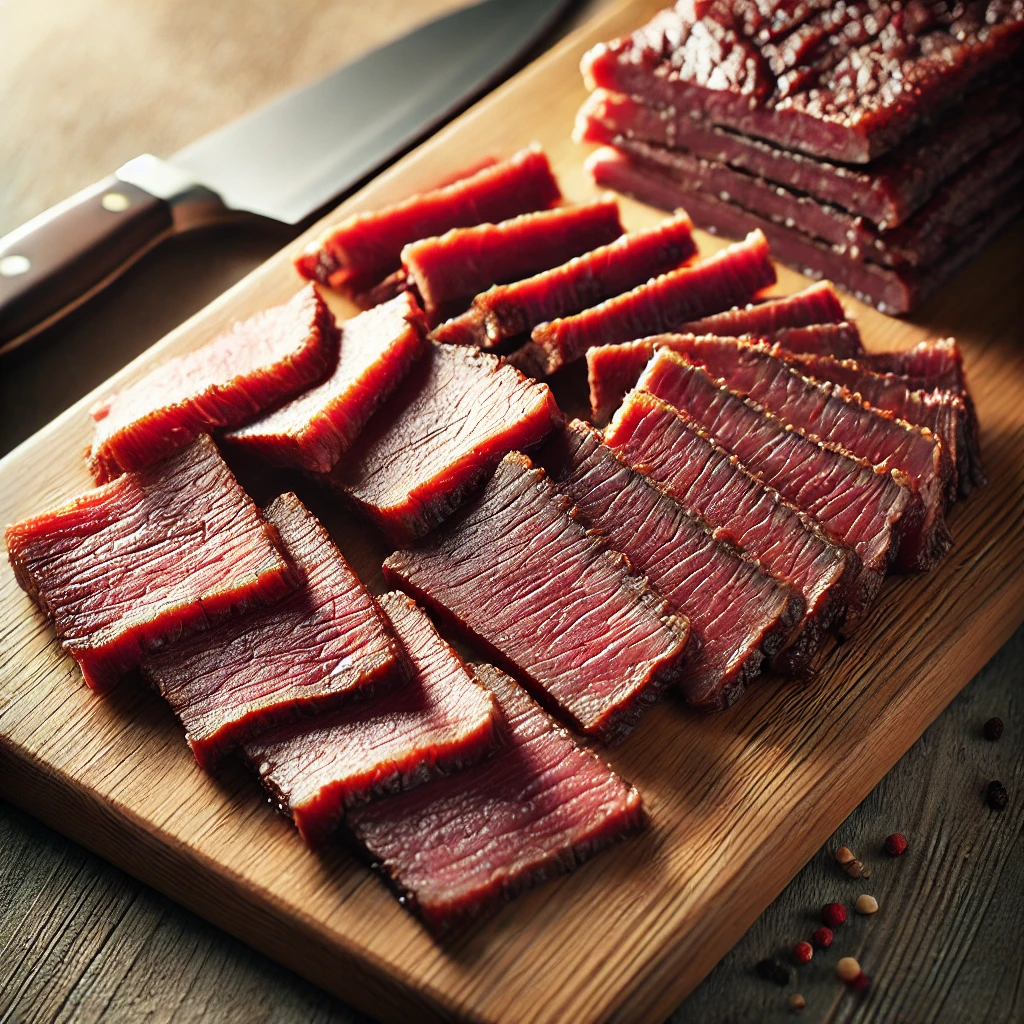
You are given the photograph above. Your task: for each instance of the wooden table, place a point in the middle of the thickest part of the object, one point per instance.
(81, 941)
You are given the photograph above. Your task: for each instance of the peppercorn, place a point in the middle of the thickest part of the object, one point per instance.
(996, 795)
(797, 1002)
(993, 729)
(770, 970)
(833, 914)
(895, 845)
(802, 953)
(861, 983)
(866, 904)
(848, 968)
(823, 938)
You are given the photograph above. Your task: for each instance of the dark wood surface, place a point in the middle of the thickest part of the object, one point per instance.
(79, 940)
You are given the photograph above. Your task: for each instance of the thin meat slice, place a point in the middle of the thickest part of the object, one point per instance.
(613, 369)
(866, 509)
(448, 270)
(522, 577)
(313, 431)
(438, 436)
(944, 414)
(456, 849)
(724, 280)
(830, 413)
(140, 560)
(439, 721)
(260, 361)
(816, 304)
(508, 311)
(738, 614)
(929, 365)
(685, 461)
(367, 247)
(320, 645)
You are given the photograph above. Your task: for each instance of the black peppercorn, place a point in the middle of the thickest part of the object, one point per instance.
(993, 728)
(771, 970)
(996, 795)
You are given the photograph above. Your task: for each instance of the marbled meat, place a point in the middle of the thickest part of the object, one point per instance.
(439, 721)
(509, 311)
(438, 436)
(378, 348)
(367, 247)
(456, 849)
(522, 577)
(687, 463)
(142, 559)
(322, 643)
(738, 614)
(260, 361)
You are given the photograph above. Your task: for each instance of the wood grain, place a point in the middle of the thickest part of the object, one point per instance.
(759, 786)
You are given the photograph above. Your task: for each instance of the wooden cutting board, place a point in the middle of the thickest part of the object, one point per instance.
(738, 802)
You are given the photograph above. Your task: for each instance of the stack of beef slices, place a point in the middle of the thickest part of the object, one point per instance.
(876, 144)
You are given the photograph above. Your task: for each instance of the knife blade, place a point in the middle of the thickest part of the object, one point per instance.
(285, 161)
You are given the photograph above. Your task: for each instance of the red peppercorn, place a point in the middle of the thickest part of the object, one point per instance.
(802, 953)
(895, 845)
(833, 914)
(861, 983)
(823, 938)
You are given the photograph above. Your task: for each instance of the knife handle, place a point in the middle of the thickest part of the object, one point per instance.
(60, 258)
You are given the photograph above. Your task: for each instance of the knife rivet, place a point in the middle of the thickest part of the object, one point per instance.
(115, 202)
(14, 266)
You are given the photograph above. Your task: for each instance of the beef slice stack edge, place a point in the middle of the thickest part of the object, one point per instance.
(880, 149)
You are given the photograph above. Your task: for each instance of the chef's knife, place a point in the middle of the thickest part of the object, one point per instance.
(285, 161)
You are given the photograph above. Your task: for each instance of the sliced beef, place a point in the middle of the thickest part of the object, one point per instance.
(864, 508)
(888, 289)
(816, 304)
(438, 436)
(146, 557)
(832, 414)
(930, 365)
(886, 193)
(367, 247)
(944, 414)
(726, 279)
(269, 357)
(449, 269)
(846, 82)
(520, 575)
(686, 462)
(439, 721)
(454, 850)
(324, 642)
(378, 348)
(613, 369)
(737, 613)
(509, 311)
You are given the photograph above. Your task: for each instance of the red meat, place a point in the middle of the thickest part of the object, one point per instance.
(816, 304)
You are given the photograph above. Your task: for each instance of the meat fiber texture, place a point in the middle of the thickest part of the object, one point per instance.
(510, 311)
(440, 721)
(726, 279)
(865, 509)
(886, 192)
(846, 82)
(890, 290)
(367, 247)
(613, 369)
(831, 415)
(522, 577)
(140, 560)
(816, 304)
(686, 462)
(313, 431)
(945, 414)
(321, 644)
(738, 614)
(448, 270)
(437, 438)
(260, 361)
(456, 849)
